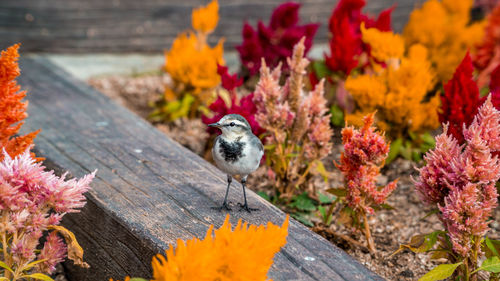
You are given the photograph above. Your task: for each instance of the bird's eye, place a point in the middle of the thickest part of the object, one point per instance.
(231, 124)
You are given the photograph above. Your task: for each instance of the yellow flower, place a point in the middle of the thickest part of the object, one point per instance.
(384, 45)
(193, 65)
(368, 91)
(205, 18)
(246, 253)
(444, 28)
(398, 93)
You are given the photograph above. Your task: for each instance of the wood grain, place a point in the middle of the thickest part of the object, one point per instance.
(149, 191)
(71, 26)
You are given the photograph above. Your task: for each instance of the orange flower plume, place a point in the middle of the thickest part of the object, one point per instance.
(245, 253)
(12, 108)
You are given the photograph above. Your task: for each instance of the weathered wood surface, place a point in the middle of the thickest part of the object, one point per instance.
(70, 26)
(149, 191)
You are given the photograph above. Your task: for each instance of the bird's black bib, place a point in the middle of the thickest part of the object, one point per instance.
(231, 151)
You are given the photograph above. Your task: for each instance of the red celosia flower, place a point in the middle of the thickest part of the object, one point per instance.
(12, 109)
(274, 42)
(461, 100)
(495, 87)
(344, 25)
(229, 82)
(243, 106)
(488, 53)
(364, 154)
(462, 184)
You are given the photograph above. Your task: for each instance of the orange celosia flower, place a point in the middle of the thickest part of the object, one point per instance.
(12, 108)
(444, 28)
(246, 253)
(384, 45)
(397, 91)
(194, 64)
(205, 18)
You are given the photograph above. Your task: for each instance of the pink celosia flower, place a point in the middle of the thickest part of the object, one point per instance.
(461, 180)
(53, 252)
(466, 213)
(365, 151)
(274, 43)
(432, 185)
(243, 106)
(296, 120)
(32, 199)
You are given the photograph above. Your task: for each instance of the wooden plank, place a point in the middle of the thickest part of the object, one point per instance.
(149, 191)
(147, 25)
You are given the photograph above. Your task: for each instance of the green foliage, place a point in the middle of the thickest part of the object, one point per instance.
(337, 118)
(174, 109)
(411, 149)
(302, 202)
(320, 69)
(440, 272)
(439, 245)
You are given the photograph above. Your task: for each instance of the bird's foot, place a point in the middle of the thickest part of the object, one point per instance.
(225, 206)
(244, 207)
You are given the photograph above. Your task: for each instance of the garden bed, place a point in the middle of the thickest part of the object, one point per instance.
(390, 227)
(149, 191)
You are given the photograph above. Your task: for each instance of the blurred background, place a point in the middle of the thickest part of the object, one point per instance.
(148, 26)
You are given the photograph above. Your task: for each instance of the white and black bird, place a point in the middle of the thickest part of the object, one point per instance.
(237, 151)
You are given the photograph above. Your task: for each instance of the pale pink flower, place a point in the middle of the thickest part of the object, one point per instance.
(460, 180)
(53, 252)
(31, 200)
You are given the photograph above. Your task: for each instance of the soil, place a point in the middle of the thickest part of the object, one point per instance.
(390, 228)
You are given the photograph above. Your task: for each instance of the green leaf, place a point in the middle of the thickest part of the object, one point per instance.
(493, 246)
(428, 139)
(325, 199)
(491, 265)
(386, 206)
(440, 272)
(263, 195)
(412, 135)
(432, 212)
(4, 265)
(32, 264)
(339, 192)
(394, 150)
(416, 155)
(303, 203)
(321, 69)
(337, 114)
(138, 279)
(39, 276)
(320, 168)
(301, 217)
(406, 150)
(420, 243)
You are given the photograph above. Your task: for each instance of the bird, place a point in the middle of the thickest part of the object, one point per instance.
(236, 151)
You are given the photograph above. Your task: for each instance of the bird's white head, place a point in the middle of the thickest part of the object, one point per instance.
(232, 126)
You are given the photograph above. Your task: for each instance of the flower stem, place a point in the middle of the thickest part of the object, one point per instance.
(6, 256)
(369, 238)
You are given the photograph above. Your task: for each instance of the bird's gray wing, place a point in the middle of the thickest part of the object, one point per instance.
(255, 141)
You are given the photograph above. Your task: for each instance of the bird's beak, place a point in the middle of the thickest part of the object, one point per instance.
(216, 125)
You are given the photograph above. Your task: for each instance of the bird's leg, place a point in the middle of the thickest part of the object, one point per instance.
(245, 206)
(225, 205)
